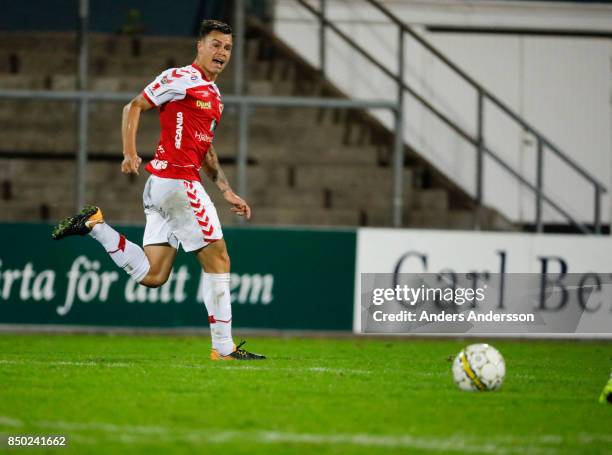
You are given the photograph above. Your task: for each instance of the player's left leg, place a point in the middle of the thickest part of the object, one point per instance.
(216, 264)
(195, 223)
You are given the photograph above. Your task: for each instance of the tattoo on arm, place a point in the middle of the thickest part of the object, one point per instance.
(214, 171)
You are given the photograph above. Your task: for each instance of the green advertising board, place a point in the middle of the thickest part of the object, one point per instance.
(281, 279)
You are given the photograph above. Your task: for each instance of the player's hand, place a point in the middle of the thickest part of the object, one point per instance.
(130, 164)
(239, 205)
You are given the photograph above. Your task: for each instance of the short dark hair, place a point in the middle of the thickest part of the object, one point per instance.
(210, 25)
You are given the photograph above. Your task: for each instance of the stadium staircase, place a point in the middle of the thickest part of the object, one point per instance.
(306, 166)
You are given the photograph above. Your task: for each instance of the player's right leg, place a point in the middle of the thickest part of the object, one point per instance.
(161, 258)
(150, 267)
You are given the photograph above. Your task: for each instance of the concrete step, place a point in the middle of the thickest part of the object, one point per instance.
(49, 140)
(494, 221)
(279, 196)
(148, 64)
(106, 139)
(288, 135)
(268, 196)
(301, 153)
(115, 44)
(259, 176)
(34, 112)
(35, 62)
(354, 178)
(43, 112)
(429, 199)
(422, 219)
(29, 173)
(33, 211)
(62, 138)
(287, 197)
(437, 219)
(264, 87)
(145, 67)
(109, 52)
(304, 217)
(21, 82)
(280, 115)
(129, 211)
(44, 41)
(303, 198)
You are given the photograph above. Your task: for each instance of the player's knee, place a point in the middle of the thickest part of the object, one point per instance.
(155, 280)
(218, 263)
(224, 260)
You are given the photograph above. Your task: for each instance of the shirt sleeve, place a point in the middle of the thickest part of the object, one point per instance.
(165, 88)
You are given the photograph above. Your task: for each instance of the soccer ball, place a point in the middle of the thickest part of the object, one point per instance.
(479, 367)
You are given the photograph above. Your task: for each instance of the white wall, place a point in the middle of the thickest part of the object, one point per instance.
(380, 251)
(559, 84)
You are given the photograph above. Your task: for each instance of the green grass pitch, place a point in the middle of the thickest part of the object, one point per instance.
(161, 394)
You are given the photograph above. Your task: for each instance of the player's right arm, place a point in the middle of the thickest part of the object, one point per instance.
(129, 127)
(165, 88)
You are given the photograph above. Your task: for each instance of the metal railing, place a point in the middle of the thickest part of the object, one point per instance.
(543, 143)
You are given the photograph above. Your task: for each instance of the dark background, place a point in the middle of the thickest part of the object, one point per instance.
(155, 17)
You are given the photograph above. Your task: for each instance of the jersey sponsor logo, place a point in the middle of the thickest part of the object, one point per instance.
(203, 137)
(160, 149)
(203, 104)
(159, 164)
(178, 137)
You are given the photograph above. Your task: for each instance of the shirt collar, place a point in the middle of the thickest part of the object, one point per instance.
(201, 72)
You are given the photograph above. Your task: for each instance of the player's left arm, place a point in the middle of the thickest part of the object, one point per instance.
(212, 169)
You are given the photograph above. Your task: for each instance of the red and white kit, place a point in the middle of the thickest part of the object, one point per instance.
(177, 207)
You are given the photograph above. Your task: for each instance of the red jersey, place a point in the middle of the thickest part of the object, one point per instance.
(189, 109)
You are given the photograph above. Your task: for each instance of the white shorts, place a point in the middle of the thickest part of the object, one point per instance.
(179, 212)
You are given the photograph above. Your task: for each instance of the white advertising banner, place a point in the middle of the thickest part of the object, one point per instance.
(563, 281)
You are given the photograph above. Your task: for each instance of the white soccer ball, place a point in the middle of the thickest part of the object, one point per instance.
(479, 367)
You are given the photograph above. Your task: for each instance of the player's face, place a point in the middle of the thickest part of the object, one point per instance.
(214, 52)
